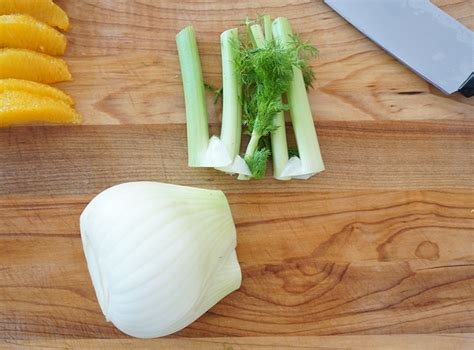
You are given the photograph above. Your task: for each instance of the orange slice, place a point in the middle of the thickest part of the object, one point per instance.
(30, 65)
(35, 89)
(43, 10)
(25, 32)
(18, 107)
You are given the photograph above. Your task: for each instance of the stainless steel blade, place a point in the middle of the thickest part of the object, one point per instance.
(417, 33)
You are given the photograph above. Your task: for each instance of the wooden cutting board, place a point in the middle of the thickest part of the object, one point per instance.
(375, 252)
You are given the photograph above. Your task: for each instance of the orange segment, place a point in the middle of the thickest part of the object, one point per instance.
(43, 10)
(17, 107)
(25, 32)
(30, 65)
(35, 89)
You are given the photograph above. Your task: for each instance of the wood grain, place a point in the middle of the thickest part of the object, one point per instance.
(374, 253)
(326, 264)
(124, 61)
(405, 342)
(358, 156)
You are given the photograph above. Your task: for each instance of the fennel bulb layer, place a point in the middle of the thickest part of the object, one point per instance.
(159, 255)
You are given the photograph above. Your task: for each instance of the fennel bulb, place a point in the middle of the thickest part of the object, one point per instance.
(159, 255)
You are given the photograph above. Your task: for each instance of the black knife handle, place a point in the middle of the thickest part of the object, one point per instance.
(467, 89)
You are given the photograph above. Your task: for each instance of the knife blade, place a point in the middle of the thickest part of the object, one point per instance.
(420, 35)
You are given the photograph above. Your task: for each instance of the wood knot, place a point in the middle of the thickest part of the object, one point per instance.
(427, 250)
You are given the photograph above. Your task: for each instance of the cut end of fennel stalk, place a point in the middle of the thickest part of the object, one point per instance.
(238, 166)
(216, 154)
(159, 255)
(218, 157)
(295, 169)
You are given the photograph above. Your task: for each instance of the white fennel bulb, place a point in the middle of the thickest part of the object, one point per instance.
(159, 255)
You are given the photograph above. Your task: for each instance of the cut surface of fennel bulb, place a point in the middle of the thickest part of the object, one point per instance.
(159, 255)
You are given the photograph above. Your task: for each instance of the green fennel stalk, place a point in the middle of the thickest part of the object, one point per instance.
(255, 163)
(194, 96)
(300, 110)
(232, 93)
(267, 26)
(202, 151)
(256, 73)
(279, 145)
(278, 135)
(266, 72)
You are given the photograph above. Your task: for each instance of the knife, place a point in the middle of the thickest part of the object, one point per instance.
(420, 35)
